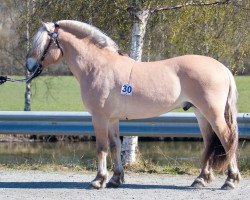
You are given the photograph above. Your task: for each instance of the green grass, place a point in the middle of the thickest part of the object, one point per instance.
(48, 94)
(63, 94)
(243, 86)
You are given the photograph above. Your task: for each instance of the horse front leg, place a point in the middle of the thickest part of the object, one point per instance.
(101, 133)
(115, 149)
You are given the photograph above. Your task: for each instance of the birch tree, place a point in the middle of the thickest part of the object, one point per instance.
(27, 94)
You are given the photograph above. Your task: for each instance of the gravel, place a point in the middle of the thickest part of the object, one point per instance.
(16, 184)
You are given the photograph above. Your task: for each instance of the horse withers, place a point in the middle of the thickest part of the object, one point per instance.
(115, 87)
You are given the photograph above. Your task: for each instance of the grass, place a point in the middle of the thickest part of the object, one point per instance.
(243, 86)
(142, 166)
(174, 167)
(62, 93)
(48, 94)
(180, 170)
(65, 157)
(46, 167)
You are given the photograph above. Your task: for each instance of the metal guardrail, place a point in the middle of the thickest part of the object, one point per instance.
(79, 123)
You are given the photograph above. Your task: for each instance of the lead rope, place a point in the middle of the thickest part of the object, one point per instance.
(38, 71)
(4, 79)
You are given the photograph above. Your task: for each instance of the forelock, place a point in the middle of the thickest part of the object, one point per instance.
(39, 41)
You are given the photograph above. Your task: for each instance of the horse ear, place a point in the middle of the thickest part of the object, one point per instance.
(46, 26)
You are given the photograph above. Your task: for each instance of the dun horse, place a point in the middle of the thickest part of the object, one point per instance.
(115, 87)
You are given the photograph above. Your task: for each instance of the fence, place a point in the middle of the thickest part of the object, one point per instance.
(79, 123)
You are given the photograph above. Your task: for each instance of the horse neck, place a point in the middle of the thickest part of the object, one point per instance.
(81, 55)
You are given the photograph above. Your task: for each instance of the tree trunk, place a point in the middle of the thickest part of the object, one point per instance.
(138, 33)
(130, 143)
(27, 95)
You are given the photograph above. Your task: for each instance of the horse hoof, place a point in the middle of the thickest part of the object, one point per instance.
(112, 185)
(198, 183)
(96, 185)
(93, 187)
(90, 187)
(228, 186)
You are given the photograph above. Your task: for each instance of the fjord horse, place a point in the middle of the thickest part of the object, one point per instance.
(114, 87)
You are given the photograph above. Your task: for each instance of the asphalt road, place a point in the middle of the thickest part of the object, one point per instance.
(25, 185)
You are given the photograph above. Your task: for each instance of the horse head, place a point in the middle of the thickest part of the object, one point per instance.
(46, 49)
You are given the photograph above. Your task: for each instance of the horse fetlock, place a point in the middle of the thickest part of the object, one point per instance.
(234, 177)
(238, 177)
(209, 177)
(120, 176)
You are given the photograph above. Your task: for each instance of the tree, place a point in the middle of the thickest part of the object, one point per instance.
(30, 8)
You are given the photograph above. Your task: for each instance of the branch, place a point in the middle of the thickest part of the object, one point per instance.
(236, 4)
(191, 3)
(10, 53)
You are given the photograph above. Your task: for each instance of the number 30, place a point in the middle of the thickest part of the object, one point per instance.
(127, 89)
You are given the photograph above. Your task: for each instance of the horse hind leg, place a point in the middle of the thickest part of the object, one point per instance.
(206, 175)
(233, 171)
(224, 156)
(115, 149)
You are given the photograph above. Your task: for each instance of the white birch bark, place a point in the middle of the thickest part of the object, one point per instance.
(138, 33)
(27, 95)
(130, 143)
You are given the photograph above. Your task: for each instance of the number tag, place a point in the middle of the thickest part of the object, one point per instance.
(126, 89)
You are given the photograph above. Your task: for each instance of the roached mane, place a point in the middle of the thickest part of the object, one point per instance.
(98, 37)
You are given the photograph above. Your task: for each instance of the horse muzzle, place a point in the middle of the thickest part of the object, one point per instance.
(31, 65)
(34, 68)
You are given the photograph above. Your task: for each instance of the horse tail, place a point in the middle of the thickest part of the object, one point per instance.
(231, 108)
(231, 116)
(221, 158)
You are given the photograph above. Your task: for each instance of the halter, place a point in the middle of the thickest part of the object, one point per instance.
(53, 38)
(39, 68)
